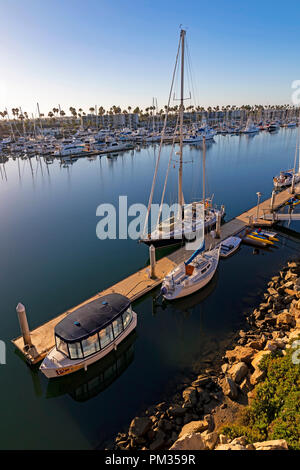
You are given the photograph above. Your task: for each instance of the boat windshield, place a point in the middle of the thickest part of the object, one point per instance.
(96, 342)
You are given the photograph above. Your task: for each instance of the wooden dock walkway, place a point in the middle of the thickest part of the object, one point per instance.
(140, 283)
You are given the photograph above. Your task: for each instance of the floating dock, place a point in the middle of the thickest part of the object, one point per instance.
(140, 283)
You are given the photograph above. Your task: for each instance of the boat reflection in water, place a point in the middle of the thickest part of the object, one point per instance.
(83, 386)
(184, 305)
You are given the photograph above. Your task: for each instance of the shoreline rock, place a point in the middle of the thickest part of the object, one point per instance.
(202, 404)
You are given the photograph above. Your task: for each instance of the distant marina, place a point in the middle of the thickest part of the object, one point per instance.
(89, 138)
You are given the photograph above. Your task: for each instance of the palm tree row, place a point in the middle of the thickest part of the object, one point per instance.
(56, 113)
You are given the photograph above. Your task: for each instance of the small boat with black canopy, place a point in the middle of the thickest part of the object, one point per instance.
(88, 334)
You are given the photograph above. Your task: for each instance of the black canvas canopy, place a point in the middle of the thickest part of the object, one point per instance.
(92, 317)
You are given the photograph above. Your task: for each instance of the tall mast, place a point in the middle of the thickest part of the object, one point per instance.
(203, 184)
(38, 108)
(180, 195)
(298, 144)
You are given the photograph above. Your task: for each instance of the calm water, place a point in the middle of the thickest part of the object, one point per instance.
(51, 260)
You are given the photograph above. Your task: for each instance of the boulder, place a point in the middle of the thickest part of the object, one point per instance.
(224, 368)
(230, 389)
(272, 291)
(256, 344)
(272, 345)
(238, 371)
(209, 439)
(279, 444)
(159, 441)
(245, 385)
(223, 439)
(295, 311)
(285, 320)
(290, 276)
(189, 442)
(176, 410)
(257, 377)
(194, 426)
(230, 447)
(240, 354)
(258, 357)
(189, 396)
(239, 440)
(294, 334)
(202, 381)
(139, 427)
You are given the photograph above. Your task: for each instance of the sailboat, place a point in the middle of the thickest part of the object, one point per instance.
(193, 274)
(250, 127)
(285, 178)
(183, 225)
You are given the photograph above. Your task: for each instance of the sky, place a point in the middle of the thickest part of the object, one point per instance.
(84, 53)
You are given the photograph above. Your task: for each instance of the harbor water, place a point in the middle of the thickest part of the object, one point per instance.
(51, 260)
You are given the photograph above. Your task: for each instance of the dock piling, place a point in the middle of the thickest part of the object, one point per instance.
(218, 225)
(272, 200)
(293, 184)
(24, 325)
(152, 261)
(258, 202)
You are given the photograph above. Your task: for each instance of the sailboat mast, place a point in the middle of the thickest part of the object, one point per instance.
(203, 184)
(298, 144)
(180, 194)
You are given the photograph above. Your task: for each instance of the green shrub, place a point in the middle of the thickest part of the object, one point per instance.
(274, 412)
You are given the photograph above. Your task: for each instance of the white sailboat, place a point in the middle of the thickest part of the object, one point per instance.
(250, 127)
(195, 273)
(192, 275)
(175, 229)
(285, 178)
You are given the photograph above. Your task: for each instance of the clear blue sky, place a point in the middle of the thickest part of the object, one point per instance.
(121, 52)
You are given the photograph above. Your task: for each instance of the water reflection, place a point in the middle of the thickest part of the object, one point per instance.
(184, 306)
(83, 386)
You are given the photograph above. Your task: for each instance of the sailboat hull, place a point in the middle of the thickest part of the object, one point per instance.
(179, 284)
(162, 242)
(191, 289)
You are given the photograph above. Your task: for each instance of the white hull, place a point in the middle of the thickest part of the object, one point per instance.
(282, 182)
(58, 365)
(231, 245)
(190, 290)
(177, 284)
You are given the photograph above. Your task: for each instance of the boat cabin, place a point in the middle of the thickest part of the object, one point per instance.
(94, 326)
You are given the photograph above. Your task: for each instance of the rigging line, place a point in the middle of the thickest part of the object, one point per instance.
(161, 140)
(167, 173)
(190, 80)
(189, 61)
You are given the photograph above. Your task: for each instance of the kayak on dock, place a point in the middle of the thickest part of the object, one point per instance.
(293, 201)
(257, 238)
(265, 233)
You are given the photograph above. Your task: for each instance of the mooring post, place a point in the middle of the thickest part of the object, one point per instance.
(152, 261)
(24, 324)
(293, 184)
(218, 225)
(258, 201)
(273, 200)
